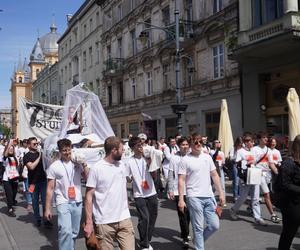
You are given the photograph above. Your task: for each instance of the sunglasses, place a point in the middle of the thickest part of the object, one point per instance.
(34, 144)
(198, 142)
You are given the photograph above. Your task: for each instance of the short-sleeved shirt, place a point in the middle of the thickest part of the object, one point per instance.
(38, 174)
(277, 159)
(137, 168)
(264, 156)
(11, 168)
(245, 156)
(110, 202)
(220, 158)
(66, 175)
(174, 167)
(197, 170)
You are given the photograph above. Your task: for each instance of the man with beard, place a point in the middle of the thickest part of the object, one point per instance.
(106, 200)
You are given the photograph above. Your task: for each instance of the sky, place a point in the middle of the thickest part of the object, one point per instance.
(21, 21)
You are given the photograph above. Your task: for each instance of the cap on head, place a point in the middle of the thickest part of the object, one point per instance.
(142, 136)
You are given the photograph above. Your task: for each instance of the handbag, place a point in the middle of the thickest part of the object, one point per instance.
(254, 176)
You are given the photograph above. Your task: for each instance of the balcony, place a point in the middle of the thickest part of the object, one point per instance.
(113, 67)
(274, 38)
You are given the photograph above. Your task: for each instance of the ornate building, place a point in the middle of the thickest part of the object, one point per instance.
(139, 78)
(135, 79)
(25, 78)
(267, 45)
(44, 68)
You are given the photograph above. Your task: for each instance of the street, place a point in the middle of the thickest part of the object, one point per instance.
(233, 235)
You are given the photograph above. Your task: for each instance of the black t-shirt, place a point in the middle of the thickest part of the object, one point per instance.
(38, 174)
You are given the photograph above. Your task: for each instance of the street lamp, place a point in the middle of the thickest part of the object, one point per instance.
(177, 108)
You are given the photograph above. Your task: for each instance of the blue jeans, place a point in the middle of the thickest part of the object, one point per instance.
(28, 195)
(68, 221)
(235, 182)
(202, 212)
(39, 190)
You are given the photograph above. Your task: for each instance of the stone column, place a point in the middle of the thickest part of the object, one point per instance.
(290, 5)
(245, 15)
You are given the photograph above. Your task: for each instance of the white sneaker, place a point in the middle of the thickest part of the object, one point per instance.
(260, 222)
(150, 247)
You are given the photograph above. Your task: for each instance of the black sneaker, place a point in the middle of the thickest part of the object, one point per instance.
(11, 213)
(185, 243)
(48, 224)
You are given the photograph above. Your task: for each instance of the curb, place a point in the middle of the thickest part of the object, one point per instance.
(9, 237)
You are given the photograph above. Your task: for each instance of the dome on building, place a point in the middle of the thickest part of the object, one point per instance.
(49, 41)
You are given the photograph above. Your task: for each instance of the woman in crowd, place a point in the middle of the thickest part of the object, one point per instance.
(10, 177)
(289, 179)
(219, 160)
(238, 144)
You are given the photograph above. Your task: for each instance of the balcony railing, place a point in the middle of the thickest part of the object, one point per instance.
(113, 66)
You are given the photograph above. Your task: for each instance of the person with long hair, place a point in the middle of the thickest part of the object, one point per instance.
(10, 177)
(238, 144)
(289, 179)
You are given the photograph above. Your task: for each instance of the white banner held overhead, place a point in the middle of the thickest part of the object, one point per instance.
(38, 119)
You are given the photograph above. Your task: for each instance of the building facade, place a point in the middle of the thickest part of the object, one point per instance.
(267, 45)
(44, 68)
(21, 86)
(139, 78)
(135, 79)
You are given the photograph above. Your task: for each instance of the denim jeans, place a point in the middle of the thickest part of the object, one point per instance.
(68, 221)
(28, 195)
(39, 190)
(253, 190)
(203, 218)
(235, 182)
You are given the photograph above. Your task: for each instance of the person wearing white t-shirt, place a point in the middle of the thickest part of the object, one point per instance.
(144, 192)
(219, 160)
(64, 179)
(184, 217)
(264, 161)
(106, 203)
(277, 158)
(195, 173)
(246, 158)
(170, 150)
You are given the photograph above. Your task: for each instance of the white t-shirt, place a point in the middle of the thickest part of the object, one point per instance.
(197, 170)
(220, 158)
(277, 159)
(246, 156)
(137, 168)
(110, 202)
(174, 167)
(267, 158)
(66, 175)
(1, 152)
(11, 170)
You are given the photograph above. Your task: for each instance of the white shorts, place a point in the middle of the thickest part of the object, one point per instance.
(264, 185)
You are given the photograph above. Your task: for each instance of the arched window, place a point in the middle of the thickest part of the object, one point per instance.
(20, 79)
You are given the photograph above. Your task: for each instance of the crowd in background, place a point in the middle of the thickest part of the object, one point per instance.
(173, 178)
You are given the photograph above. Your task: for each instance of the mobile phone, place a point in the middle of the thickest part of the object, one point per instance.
(219, 211)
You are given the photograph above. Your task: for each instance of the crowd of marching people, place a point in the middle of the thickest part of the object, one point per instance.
(190, 171)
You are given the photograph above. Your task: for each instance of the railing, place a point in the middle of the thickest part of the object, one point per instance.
(113, 65)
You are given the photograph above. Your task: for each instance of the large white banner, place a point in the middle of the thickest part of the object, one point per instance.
(38, 119)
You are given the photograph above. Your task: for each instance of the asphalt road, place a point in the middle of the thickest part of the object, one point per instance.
(233, 235)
